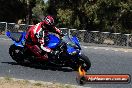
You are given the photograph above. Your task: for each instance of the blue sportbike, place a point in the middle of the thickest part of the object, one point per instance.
(68, 46)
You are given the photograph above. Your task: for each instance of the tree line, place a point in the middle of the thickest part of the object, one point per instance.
(91, 15)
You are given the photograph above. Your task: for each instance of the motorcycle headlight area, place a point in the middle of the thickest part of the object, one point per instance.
(73, 53)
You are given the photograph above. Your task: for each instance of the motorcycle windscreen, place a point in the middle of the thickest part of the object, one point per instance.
(76, 41)
(53, 41)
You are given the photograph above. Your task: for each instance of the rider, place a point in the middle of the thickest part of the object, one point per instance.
(37, 36)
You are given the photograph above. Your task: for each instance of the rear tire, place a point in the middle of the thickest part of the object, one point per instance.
(16, 53)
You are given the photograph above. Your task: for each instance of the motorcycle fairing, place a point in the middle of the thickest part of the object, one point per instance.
(76, 41)
(17, 37)
(53, 41)
(71, 49)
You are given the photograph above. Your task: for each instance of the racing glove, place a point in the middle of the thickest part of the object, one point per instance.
(61, 34)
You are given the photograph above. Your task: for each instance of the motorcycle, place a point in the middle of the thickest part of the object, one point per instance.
(68, 46)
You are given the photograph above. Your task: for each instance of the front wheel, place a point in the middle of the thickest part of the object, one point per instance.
(84, 62)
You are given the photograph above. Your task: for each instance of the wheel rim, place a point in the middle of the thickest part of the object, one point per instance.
(83, 65)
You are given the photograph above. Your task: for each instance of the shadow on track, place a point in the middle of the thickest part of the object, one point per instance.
(43, 67)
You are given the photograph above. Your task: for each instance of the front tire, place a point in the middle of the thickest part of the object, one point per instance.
(84, 62)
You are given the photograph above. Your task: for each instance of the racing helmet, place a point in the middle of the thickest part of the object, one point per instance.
(48, 20)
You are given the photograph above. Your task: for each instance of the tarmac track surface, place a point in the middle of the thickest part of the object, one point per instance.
(104, 61)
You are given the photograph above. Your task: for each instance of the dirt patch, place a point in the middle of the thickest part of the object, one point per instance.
(6, 82)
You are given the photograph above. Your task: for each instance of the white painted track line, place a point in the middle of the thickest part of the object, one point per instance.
(109, 48)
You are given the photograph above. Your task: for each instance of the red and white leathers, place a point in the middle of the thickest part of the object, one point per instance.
(36, 35)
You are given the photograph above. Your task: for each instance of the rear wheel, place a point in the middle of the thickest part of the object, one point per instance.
(16, 53)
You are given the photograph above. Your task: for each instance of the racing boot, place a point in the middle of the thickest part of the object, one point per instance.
(54, 56)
